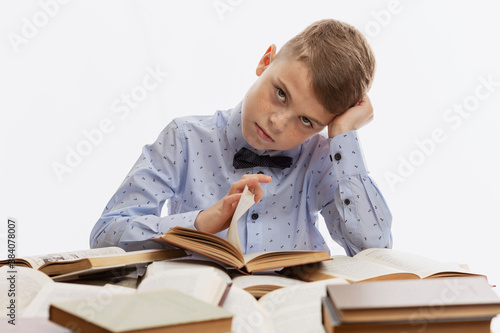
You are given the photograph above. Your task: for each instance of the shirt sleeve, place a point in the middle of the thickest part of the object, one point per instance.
(133, 215)
(358, 216)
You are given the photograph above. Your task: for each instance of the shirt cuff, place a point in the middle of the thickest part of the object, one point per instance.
(185, 220)
(346, 155)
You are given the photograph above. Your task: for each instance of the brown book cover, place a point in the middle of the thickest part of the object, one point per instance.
(70, 262)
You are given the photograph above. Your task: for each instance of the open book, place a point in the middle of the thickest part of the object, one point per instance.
(36, 291)
(378, 264)
(164, 310)
(294, 305)
(292, 309)
(229, 251)
(208, 280)
(93, 259)
(202, 280)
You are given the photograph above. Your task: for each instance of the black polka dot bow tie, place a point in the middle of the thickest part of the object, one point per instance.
(246, 158)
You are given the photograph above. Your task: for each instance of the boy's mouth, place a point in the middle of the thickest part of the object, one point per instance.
(262, 134)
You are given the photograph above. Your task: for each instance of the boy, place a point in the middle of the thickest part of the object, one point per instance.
(201, 165)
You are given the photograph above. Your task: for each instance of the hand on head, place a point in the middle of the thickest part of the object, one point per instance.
(354, 118)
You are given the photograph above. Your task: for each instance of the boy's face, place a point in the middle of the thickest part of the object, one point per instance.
(280, 111)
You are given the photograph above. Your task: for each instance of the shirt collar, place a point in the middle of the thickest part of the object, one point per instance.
(236, 142)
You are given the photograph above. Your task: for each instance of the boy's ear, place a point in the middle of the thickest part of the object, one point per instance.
(266, 59)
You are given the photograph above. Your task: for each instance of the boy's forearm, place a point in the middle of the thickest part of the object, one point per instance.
(358, 216)
(340, 129)
(134, 232)
(361, 222)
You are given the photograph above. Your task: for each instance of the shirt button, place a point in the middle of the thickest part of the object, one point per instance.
(260, 173)
(337, 157)
(347, 202)
(255, 216)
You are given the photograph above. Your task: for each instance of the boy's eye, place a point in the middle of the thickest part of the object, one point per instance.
(305, 121)
(281, 95)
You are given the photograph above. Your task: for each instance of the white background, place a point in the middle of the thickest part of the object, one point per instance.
(64, 70)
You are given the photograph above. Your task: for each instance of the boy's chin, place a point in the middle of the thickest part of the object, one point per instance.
(255, 144)
(259, 144)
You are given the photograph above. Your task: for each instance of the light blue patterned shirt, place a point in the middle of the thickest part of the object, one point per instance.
(190, 166)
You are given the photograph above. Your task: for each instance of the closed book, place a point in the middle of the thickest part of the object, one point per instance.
(464, 297)
(149, 312)
(332, 324)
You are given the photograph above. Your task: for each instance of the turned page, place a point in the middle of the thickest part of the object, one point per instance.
(246, 201)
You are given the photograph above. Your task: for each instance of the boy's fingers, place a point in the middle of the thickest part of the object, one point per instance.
(229, 203)
(259, 178)
(239, 186)
(256, 188)
(251, 181)
(258, 191)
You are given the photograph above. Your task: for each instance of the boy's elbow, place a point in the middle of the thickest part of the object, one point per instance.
(94, 241)
(98, 236)
(383, 241)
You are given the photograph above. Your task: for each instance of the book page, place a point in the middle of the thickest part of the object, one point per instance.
(29, 283)
(179, 264)
(297, 308)
(409, 262)
(246, 201)
(245, 281)
(203, 283)
(95, 297)
(249, 317)
(355, 270)
(39, 260)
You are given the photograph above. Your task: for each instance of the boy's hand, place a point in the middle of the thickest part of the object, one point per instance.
(354, 118)
(218, 217)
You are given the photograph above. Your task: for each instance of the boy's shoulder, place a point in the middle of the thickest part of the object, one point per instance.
(318, 141)
(316, 149)
(218, 119)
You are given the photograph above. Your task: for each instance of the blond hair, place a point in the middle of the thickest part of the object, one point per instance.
(340, 61)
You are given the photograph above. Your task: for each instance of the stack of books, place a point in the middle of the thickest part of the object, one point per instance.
(465, 304)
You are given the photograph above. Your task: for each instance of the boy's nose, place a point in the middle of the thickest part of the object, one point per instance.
(279, 120)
